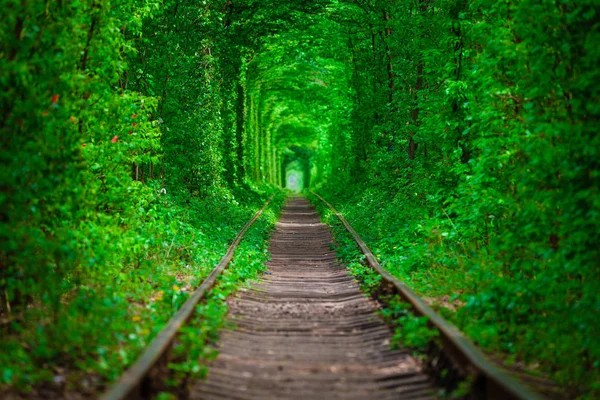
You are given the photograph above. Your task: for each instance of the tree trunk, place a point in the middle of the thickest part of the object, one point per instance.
(388, 52)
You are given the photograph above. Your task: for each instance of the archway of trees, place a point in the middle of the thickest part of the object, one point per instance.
(459, 138)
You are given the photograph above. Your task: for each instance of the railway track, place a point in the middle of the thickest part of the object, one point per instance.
(306, 331)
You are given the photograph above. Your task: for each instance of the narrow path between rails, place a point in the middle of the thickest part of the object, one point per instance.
(307, 331)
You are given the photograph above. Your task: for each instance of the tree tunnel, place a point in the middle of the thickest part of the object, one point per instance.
(296, 168)
(462, 137)
(295, 99)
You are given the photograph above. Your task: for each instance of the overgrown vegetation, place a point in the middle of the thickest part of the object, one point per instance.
(121, 312)
(459, 139)
(195, 342)
(409, 330)
(120, 189)
(470, 168)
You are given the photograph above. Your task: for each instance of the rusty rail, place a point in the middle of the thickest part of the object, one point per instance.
(131, 384)
(489, 380)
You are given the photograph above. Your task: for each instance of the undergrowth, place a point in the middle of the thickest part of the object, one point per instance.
(102, 325)
(194, 347)
(473, 291)
(410, 331)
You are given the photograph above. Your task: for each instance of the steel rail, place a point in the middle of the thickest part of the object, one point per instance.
(492, 382)
(130, 383)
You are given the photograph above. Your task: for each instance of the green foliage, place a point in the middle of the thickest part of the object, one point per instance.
(195, 340)
(369, 279)
(473, 168)
(124, 309)
(459, 138)
(115, 197)
(65, 152)
(409, 330)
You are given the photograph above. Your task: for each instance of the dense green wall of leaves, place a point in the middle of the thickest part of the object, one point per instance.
(122, 177)
(461, 138)
(473, 155)
(458, 137)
